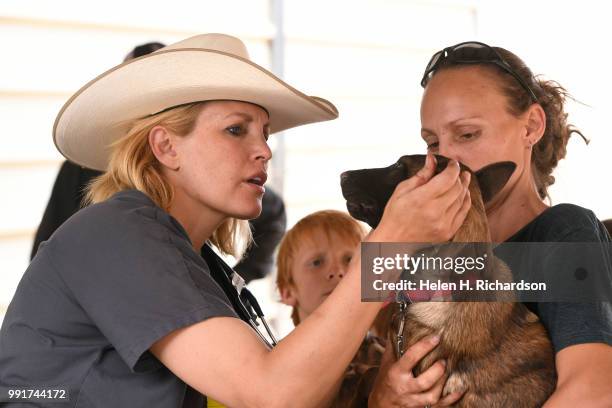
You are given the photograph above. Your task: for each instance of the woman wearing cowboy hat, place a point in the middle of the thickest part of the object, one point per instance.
(126, 305)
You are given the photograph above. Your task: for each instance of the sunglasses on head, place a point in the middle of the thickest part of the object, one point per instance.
(471, 52)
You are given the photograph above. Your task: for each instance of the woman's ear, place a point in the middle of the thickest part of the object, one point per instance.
(288, 295)
(163, 147)
(535, 125)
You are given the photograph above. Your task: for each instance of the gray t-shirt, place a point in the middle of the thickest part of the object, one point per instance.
(112, 280)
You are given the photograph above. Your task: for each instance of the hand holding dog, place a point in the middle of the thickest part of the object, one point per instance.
(396, 386)
(426, 208)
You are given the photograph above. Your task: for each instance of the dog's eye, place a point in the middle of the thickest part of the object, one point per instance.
(396, 167)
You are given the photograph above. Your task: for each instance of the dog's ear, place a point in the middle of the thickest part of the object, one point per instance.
(493, 178)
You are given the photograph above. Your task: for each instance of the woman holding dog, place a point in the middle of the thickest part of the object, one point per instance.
(483, 105)
(127, 305)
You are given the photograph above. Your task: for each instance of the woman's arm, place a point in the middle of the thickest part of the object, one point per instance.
(223, 358)
(584, 377)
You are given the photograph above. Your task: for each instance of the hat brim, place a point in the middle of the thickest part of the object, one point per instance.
(101, 111)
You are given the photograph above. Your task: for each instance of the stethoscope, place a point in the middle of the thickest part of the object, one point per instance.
(244, 302)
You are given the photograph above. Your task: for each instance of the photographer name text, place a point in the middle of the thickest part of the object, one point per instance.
(478, 284)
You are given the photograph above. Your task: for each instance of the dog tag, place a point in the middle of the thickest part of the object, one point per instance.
(399, 343)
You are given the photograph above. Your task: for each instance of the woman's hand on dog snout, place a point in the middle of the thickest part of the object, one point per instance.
(426, 208)
(396, 386)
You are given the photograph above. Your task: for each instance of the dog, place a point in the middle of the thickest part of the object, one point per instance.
(497, 352)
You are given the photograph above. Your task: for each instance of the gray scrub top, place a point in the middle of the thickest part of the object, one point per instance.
(112, 280)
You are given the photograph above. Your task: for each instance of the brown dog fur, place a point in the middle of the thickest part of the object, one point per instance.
(497, 351)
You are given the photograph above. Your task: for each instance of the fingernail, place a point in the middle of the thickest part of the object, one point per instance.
(435, 339)
(443, 363)
(467, 176)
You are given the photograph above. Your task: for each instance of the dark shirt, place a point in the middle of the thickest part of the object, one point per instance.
(268, 229)
(66, 199)
(570, 323)
(111, 281)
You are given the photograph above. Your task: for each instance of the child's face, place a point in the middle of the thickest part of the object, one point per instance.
(318, 266)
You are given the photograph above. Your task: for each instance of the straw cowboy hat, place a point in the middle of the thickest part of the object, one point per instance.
(200, 68)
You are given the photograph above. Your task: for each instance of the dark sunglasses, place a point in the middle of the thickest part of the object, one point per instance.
(471, 52)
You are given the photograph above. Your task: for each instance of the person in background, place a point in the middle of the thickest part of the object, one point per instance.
(267, 229)
(312, 258)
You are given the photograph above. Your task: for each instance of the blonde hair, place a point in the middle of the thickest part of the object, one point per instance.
(133, 165)
(328, 221)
